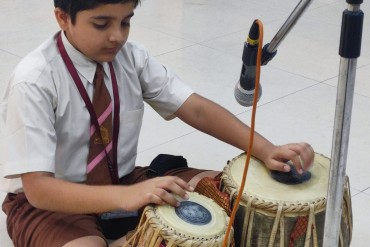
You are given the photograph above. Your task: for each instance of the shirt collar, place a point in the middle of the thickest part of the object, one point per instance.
(84, 65)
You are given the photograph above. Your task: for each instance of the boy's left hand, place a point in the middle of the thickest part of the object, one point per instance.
(300, 154)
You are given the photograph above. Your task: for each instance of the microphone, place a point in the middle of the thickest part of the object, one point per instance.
(244, 89)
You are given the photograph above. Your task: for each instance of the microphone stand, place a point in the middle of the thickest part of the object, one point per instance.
(350, 47)
(270, 49)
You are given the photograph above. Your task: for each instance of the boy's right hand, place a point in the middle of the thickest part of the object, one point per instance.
(46, 192)
(160, 190)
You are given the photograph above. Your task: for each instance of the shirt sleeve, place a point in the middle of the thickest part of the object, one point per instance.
(28, 143)
(161, 88)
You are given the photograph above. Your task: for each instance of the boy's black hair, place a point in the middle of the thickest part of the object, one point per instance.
(72, 7)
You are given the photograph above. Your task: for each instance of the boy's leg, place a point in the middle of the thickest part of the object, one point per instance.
(32, 227)
(190, 175)
(91, 241)
(195, 180)
(119, 242)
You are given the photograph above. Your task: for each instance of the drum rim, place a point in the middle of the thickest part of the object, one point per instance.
(229, 186)
(170, 234)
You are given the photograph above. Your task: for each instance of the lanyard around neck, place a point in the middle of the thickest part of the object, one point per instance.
(113, 167)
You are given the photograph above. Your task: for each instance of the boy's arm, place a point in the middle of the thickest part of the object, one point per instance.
(46, 192)
(216, 121)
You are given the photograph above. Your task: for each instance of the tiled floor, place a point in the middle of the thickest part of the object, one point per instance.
(202, 41)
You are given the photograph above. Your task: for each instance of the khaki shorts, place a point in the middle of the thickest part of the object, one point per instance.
(32, 227)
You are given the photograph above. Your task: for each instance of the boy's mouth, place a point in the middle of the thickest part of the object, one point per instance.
(112, 50)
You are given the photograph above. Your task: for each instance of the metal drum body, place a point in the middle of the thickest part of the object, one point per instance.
(275, 214)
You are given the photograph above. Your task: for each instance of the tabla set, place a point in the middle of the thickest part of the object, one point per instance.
(270, 213)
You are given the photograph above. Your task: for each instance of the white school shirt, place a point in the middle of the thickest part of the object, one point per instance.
(47, 122)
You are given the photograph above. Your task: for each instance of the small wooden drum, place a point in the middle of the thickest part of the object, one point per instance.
(198, 221)
(276, 214)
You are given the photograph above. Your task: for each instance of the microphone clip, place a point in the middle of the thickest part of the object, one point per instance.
(266, 55)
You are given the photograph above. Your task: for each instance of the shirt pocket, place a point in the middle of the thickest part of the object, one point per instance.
(130, 116)
(130, 126)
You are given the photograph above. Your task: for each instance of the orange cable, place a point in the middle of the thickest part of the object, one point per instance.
(250, 145)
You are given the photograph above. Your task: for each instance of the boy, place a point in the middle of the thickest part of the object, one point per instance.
(53, 123)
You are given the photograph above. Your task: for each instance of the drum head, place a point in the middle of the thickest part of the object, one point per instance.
(259, 183)
(198, 217)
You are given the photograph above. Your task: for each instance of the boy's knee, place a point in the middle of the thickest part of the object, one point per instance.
(91, 241)
(195, 180)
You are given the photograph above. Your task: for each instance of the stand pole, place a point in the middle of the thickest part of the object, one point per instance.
(288, 25)
(270, 49)
(350, 47)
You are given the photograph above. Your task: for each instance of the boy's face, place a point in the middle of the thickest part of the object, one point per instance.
(98, 33)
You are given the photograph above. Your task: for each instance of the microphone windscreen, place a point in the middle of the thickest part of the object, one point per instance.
(245, 97)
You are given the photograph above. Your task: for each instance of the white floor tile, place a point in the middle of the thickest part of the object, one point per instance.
(7, 64)
(196, 21)
(289, 5)
(200, 150)
(305, 115)
(19, 15)
(4, 238)
(361, 218)
(310, 50)
(157, 131)
(311, 47)
(18, 42)
(210, 73)
(156, 42)
(367, 191)
(31, 23)
(354, 192)
(362, 86)
(214, 74)
(358, 156)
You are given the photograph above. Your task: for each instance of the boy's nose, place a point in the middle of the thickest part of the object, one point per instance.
(117, 36)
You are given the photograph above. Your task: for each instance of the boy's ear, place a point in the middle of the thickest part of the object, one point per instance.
(63, 18)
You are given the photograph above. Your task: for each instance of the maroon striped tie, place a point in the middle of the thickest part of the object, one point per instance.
(97, 165)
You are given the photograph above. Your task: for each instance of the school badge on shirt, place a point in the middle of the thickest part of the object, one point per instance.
(105, 136)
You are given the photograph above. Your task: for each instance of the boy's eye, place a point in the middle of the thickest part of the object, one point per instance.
(125, 24)
(100, 26)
